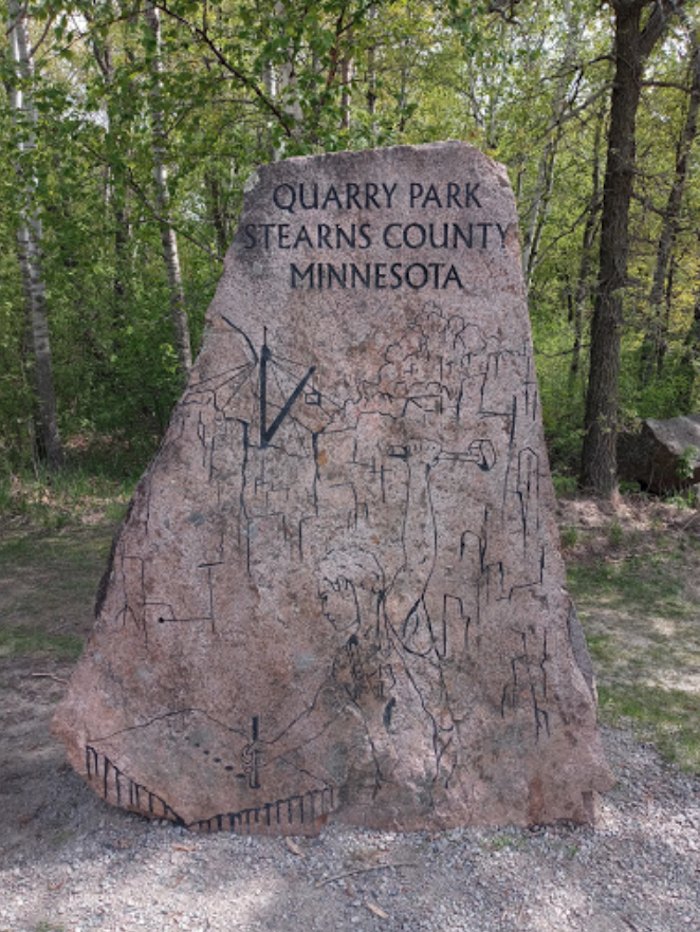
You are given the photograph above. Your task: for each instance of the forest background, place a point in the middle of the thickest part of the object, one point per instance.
(128, 130)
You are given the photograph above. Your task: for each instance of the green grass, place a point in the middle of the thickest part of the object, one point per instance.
(19, 641)
(564, 486)
(599, 646)
(58, 500)
(643, 629)
(670, 718)
(45, 584)
(48, 581)
(569, 537)
(50, 550)
(506, 840)
(651, 583)
(615, 534)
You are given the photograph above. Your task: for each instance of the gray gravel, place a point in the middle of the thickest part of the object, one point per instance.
(83, 866)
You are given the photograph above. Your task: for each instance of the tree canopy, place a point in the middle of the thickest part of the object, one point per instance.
(128, 131)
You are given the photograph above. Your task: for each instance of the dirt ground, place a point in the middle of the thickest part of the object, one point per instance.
(50, 819)
(635, 575)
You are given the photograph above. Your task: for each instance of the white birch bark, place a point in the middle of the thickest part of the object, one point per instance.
(284, 81)
(168, 236)
(115, 187)
(29, 235)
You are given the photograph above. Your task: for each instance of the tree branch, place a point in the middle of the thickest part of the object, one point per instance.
(656, 24)
(668, 85)
(252, 86)
(40, 41)
(138, 190)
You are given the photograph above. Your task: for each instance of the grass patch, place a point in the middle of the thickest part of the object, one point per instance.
(569, 537)
(615, 534)
(670, 718)
(651, 584)
(19, 641)
(48, 582)
(564, 485)
(600, 646)
(55, 501)
(641, 614)
(48, 550)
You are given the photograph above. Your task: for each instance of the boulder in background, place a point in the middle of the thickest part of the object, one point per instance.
(664, 456)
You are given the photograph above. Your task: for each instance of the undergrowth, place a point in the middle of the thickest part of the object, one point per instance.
(97, 479)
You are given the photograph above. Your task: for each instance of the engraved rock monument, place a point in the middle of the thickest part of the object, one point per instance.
(338, 590)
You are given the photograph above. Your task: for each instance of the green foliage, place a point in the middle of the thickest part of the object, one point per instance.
(564, 485)
(94, 478)
(569, 537)
(644, 582)
(615, 534)
(599, 646)
(686, 498)
(668, 717)
(245, 82)
(686, 462)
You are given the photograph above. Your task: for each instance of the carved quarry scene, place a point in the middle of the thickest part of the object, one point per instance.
(338, 591)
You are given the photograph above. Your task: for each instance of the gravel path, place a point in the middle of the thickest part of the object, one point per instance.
(77, 865)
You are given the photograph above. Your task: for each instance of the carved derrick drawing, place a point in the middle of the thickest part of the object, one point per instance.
(338, 590)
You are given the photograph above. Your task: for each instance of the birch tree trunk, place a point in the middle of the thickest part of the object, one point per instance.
(29, 236)
(168, 236)
(116, 189)
(286, 87)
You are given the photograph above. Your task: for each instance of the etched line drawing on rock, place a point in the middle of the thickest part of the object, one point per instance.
(114, 785)
(411, 632)
(201, 740)
(338, 585)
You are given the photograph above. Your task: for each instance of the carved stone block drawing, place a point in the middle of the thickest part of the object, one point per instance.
(338, 589)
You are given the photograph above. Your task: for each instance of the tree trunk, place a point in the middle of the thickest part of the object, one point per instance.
(217, 212)
(168, 235)
(632, 46)
(690, 361)
(583, 288)
(29, 236)
(537, 213)
(371, 92)
(346, 76)
(116, 188)
(286, 84)
(403, 85)
(654, 346)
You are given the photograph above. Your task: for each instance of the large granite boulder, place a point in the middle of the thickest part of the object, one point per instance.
(338, 590)
(664, 456)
